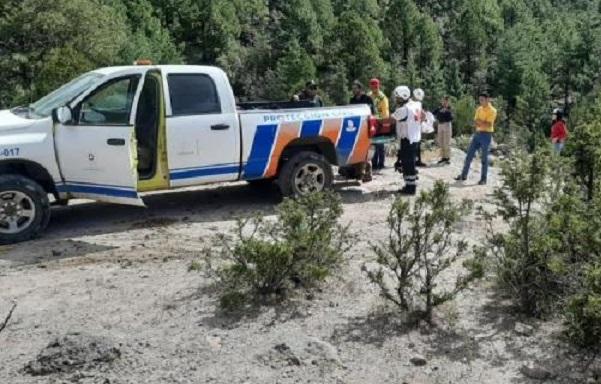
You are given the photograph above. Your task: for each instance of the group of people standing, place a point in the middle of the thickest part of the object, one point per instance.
(409, 117)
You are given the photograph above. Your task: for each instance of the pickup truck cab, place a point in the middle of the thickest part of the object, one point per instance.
(116, 133)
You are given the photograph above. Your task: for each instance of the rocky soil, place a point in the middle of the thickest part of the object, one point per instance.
(106, 297)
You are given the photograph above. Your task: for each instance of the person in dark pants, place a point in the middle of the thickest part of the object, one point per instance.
(408, 156)
(382, 112)
(484, 121)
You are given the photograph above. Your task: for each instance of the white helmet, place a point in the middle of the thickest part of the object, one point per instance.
(419, 94)
(402, 92)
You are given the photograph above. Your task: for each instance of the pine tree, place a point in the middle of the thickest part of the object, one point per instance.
(292, 71)
(399, 27)
(532, 102)
(360, 43)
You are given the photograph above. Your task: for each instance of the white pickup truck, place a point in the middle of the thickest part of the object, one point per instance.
(115, 133)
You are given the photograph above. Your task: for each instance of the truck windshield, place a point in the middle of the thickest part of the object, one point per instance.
(63, 95)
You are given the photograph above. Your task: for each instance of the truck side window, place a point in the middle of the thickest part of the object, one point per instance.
(193, 94)
(110, 104)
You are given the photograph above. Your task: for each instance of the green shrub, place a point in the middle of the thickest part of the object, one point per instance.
(420, 247)
(583, 310)
(465, 109)
(584, 145)
(526, 260)
(463, 142)
(303, 246)
(575, 224)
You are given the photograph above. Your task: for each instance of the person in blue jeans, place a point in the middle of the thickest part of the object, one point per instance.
(484, 121)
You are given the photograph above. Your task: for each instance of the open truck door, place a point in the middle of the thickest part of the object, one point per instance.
(96, 145)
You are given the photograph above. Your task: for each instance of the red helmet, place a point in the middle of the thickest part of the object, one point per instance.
(374, 83)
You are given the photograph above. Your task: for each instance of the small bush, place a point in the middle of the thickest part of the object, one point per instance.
(419, 248)
(300, 248)
(583, 310)
(525, 257)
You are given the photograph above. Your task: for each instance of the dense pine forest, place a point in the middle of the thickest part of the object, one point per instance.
(532, 55)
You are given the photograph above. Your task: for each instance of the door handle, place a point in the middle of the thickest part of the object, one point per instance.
(116, 142)
(220, 127)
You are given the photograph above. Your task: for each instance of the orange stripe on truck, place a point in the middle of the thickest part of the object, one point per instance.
(287, 133)
(332, 129)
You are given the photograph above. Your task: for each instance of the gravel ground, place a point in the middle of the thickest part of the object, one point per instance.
(120, 274)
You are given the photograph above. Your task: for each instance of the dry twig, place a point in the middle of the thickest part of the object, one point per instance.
(7, 319)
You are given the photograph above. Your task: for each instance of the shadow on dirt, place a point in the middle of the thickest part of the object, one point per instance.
(272, 310)
(375, 329)
(454, 346)
(500, 323)
(200, 205)
(61, 249)
(194, 206)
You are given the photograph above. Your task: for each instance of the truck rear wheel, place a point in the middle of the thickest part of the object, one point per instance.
(306, 172)
(24, 209)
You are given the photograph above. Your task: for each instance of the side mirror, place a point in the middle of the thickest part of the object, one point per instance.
(63, 115)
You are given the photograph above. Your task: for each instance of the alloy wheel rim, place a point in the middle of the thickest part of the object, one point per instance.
(17, 212)
(310, 178)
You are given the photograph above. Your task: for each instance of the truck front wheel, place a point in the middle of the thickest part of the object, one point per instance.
(304, 173)
(24, 209)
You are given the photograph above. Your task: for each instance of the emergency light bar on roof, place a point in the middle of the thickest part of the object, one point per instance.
(142, 62)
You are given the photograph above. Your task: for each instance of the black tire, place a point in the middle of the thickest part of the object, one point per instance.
(36, 196)
(294, 167)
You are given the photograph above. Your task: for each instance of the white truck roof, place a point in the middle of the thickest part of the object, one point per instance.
(167, 68)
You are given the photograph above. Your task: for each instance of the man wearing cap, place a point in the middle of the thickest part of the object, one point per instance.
(382, 111)
(484, 121)
(310, 94)
(360, 97)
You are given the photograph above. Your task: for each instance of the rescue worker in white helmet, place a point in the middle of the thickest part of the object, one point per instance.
(406, 155)
(411, 134)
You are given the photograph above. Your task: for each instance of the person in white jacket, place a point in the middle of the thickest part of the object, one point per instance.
(409, 130)
(418, 98)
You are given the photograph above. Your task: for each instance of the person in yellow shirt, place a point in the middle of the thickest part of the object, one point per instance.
(382, 112)
(484, 121)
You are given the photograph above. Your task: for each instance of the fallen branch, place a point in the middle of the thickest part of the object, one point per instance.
(10, 313)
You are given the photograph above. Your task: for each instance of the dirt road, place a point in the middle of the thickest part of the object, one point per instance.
(122, 273)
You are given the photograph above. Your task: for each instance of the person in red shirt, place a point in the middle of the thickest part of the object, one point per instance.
(559, 131)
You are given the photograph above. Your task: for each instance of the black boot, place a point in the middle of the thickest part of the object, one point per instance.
(408, 190)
